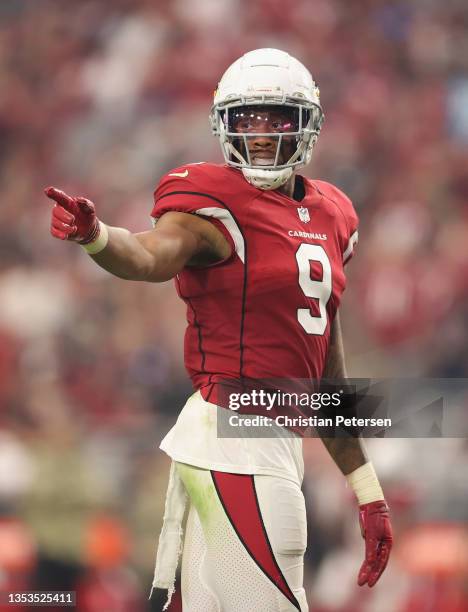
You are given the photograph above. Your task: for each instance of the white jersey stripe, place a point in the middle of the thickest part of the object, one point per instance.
(349, 249)
(227, 220)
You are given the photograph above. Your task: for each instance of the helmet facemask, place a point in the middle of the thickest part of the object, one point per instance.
(293, 127)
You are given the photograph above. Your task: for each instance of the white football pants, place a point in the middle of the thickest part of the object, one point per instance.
(244, 543)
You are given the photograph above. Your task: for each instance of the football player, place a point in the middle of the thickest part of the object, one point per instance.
(257, 252)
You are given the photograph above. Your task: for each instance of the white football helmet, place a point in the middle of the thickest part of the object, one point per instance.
(267, 78)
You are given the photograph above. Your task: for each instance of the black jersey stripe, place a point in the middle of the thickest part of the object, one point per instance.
(197, 325)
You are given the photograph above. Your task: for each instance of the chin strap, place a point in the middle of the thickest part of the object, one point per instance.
(267, 179)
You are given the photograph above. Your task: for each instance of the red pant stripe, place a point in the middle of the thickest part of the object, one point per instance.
(239, 499)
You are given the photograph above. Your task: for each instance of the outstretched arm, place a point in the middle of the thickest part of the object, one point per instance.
(350, 456)
(179, 239)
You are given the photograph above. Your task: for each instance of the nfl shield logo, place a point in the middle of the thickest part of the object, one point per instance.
(303, 214)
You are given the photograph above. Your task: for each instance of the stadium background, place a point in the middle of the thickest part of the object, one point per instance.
(101, 98)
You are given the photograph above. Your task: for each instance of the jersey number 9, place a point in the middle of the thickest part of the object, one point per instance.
(317, 289)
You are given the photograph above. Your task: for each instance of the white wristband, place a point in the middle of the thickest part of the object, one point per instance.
(92, 248)
(365, 484)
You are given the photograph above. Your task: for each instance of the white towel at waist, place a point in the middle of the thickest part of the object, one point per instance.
(170, 540)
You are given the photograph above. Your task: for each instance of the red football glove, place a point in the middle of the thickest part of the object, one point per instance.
(376, 530)
(72, 218)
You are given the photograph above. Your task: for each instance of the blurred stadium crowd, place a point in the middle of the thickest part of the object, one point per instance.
(101, 98)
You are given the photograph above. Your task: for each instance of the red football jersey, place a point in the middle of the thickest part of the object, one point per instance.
(265, 312)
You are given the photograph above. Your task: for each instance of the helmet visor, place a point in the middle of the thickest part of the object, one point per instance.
(263, 119)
